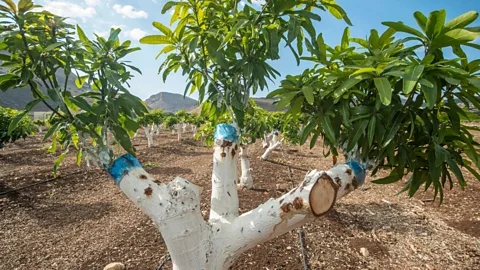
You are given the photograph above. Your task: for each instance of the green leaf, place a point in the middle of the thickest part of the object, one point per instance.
(461, 21)
(11, 4)
(79, 157)
(328, 129)
(308, 92)
(168, 6)
(393, 129)
(81, 103)
(421, 20)
(345, 86)
(371, 130)
(357, 133)
(81, 80)
(400, 27)
(232, 32)
(412, 74)
(57, 163)
(13, 124)
(456, 170)
(155, 40)
(387, 180)
(365, 70)
(123, 138)
(454, 37)
(435, 23)
(285, 101)
(81, 34)
(164, 29)
(384, 89)
(430, 94)
(53, 46)
(345, 38)
(114, 34)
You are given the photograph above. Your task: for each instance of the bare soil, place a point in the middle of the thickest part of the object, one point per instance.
(83, 221)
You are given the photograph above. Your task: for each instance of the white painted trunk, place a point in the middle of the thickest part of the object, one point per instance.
(40, 129)
(179, 132)
(194, 131)
(224, 200)
(173, 131)
(270, 149)
(184, 127)
(246, 180)
(157, 130)
(149, 136)
(135, 135)
(196, 244)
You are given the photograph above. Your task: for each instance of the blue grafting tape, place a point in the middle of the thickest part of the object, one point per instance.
(226, 132)
(359, 169)
(121, 166)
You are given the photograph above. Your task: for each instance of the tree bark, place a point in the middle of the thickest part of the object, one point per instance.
(196, 244)
(246, 180)
(148, 135)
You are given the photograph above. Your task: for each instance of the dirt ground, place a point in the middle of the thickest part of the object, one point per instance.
(83, 221)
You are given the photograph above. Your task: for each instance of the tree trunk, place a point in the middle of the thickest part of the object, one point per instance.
(196, 244)
(273, 144)
(246, 180)
(149, 136)
(179, 132)
(157, 130)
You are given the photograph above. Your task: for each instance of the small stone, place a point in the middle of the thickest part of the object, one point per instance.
(364, 252)
(115, 266)
(289, 248)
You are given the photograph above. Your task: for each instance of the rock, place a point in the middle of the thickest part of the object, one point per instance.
(115, 266)
(364, 252)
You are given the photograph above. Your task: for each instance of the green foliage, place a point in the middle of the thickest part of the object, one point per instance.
(384, 103)
(23, 128)
(39, 44)
(40, 122)
(225, 48)
(155, 117)
(171, 121)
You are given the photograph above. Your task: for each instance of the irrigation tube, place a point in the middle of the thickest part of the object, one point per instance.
(38, 183)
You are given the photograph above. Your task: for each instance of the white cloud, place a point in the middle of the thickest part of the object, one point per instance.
(66, 9)
(135, 34)
(115, 26)
(92, 3)
(242, 3)
(130, 12)
(258, 2)
(102, 33)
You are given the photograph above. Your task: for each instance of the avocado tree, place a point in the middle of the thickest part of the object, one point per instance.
(150, 123)
(40, 124)
(24, 127)
(391, 102)
(39, 46)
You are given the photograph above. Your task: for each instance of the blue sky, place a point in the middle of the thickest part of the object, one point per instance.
(135, 19)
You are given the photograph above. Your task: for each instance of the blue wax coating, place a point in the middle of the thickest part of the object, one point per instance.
(226, 132)
(121, 166)
(359, 169)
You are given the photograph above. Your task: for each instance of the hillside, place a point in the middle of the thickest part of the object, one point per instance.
(17, 98)
(170, 102)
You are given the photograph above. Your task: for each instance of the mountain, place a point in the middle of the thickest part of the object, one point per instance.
(266, 104)
(17, 98)
(170, 102)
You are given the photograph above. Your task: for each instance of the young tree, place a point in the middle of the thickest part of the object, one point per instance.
(40, 124)
(24, 126)
(39, 45)
(392, 107)
(150, 123)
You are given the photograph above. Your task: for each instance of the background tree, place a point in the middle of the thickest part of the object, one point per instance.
(40, 44)
(24, 126)
(388, 105)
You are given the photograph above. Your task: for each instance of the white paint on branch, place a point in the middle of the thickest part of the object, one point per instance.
(224, 200)
(148, 134)
(273, 144)
(246, 180)
(196, 244)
